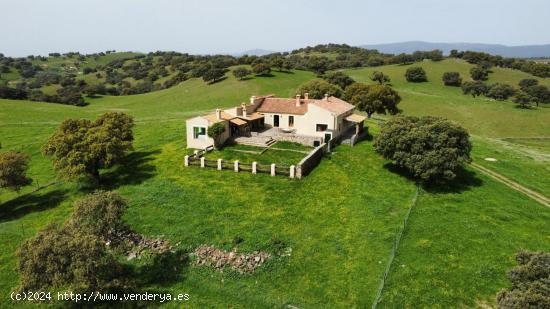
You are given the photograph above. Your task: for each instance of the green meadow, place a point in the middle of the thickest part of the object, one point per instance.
(337, 225)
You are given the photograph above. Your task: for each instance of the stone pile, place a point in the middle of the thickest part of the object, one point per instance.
(218, 259)
(137, 243)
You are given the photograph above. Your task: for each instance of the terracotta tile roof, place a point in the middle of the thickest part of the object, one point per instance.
(334, 105)
(283, 106)
(356, 118)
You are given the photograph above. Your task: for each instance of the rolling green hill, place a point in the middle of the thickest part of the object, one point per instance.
(340, 222)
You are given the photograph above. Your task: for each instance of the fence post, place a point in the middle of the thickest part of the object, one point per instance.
(196, 153)
(220, 164)
(186, 160)
(272, 169)
(254, 167)
(236, 166)
(202, 161)
(292, 171)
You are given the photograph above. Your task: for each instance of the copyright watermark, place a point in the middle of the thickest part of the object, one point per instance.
(94, 296)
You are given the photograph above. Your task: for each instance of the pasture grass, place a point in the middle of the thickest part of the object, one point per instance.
(340, 221)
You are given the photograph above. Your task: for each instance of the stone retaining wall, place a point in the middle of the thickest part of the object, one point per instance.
(310, 161)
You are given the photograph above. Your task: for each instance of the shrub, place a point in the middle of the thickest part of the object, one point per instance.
(339, 79)
(13, 169)
(430, 148)
(380, 77)
(416, 75)
(317, 89)
(523, 100)
(475, 88)
(261, 68)
(215, 131)
(98, 213)
(479, 73)
(452, 79)
(241, 72)
(530, 282)
(527, 82)
(500, 91)
(380, 99)
(62, 258)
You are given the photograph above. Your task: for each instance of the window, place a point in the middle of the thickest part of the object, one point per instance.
(199, 132)
(290, 121)
(321, 127)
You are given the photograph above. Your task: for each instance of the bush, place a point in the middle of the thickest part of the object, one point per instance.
(500, 91)
(523, 100)
(13, 169)
(452, 79)
(530, 282)
(476, 88)
(416, 75)
(339, 79)
(317, 89)
(99, 213)
(62, 258)
(380, 77)
(261, 69)
(215, 131)
(527, 82)
(539, 93)
(241, 72)
(430, 148)
(479, 73)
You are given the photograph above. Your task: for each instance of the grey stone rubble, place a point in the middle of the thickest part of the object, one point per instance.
(137, 243)
(243, 263)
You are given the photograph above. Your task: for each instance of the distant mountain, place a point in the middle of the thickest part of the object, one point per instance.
(254, 52)
(525, 51)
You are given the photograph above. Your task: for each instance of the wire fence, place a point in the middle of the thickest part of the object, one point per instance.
(396, 242)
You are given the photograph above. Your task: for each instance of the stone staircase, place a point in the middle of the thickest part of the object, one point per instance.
(259, 141)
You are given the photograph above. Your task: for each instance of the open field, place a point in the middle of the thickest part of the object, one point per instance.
(340, 221)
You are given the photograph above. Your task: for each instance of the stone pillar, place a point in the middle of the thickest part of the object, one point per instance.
(236, 166)
(292, 171)
(186, 160)
(273, 169)
(202, 162)
(220, 164)
(254, 167)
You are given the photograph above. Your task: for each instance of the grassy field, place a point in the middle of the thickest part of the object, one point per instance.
(340, 221)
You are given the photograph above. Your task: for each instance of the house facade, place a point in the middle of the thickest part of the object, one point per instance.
(304, 120)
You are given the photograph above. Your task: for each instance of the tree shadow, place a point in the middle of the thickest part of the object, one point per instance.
(464, 180)
(245, 78)
(265, 75)
(29, 203)
(217, 80)
(133, 170)
(164, 269)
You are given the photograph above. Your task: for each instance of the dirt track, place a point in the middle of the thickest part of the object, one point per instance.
(514, 185)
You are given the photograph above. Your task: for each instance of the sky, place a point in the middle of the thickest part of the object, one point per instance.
(215, 26)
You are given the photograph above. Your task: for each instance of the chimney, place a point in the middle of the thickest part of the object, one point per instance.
(218, 114)
(252, 99)
(243, 106)
(306, 96)
(297, 100)
(326, 97)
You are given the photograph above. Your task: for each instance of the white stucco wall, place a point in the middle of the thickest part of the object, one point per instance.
(205, 141)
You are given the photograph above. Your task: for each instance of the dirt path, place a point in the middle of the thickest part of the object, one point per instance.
(514, 185)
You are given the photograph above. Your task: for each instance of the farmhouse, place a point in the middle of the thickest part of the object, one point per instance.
(267, 119)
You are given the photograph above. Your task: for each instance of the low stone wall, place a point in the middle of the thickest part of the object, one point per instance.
(300, 139)
(310, 161)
